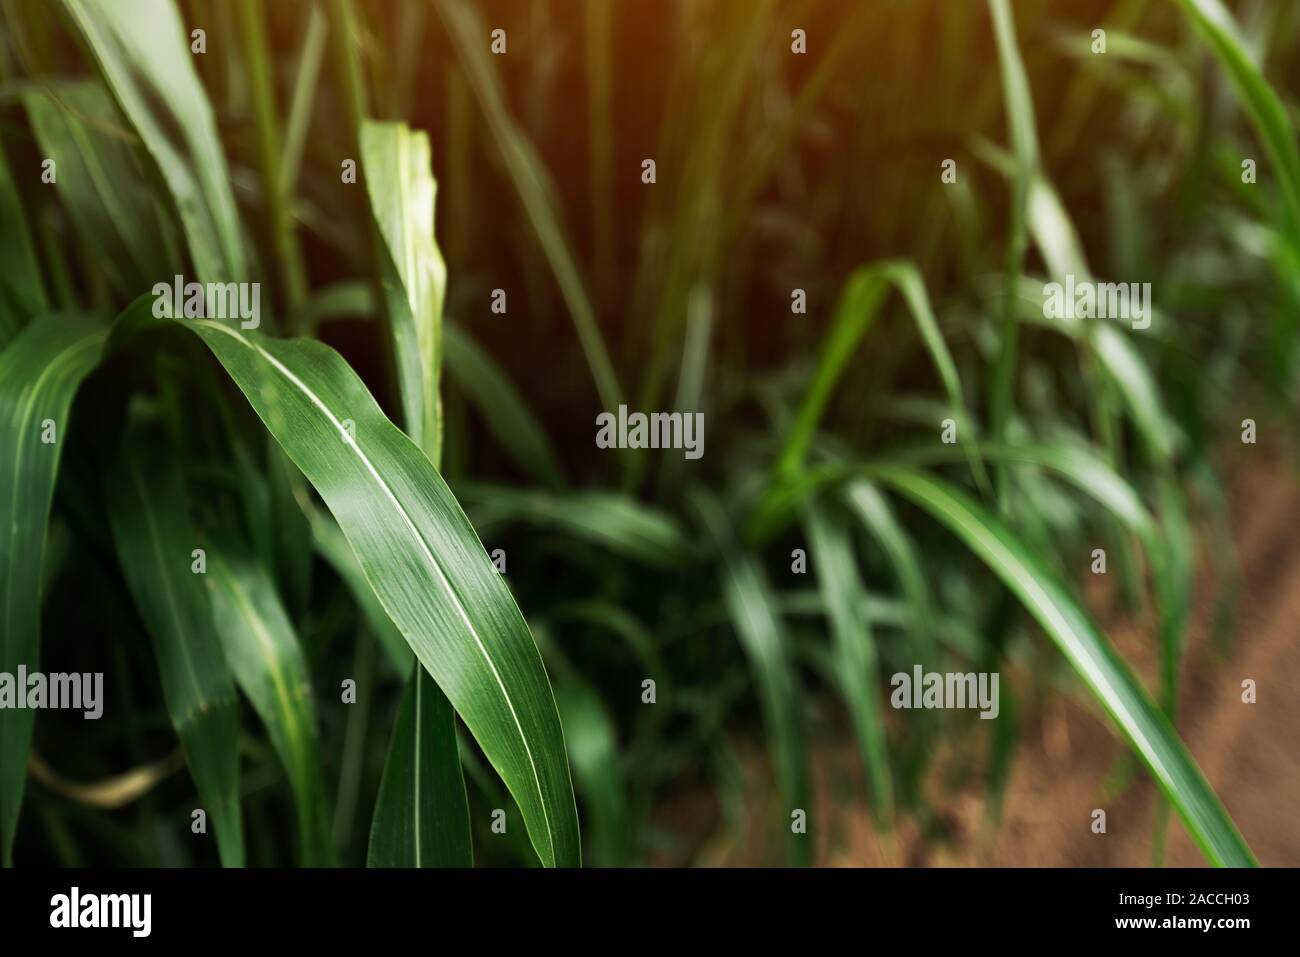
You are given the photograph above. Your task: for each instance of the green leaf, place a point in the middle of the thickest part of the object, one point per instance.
(594, 752)
(156, 550)
(145, 60)
(856, 663)
(40, 372)
(536, 191)
(611, 520)
(1142, 723)
(423, 560)
(266, 659)
(398, 171)
(333, 546)
(872, 509)
(750, 604)
(102, 184)
(1267, 111)
(22, 294)
(864, 292)
(507, 415)
(422, 814)
(1018, 105)
(473, 371)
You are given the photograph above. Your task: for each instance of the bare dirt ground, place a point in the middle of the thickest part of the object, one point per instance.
(1065, 766)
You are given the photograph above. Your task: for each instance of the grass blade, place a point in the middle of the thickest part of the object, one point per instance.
(1266, 110)
(506, 413)
(422, 814)
(145, 60)
(856, 663)
(155, 545)
(872, 509)
(40, 372)
(864, 292)
(22, 293)
(608, 519)
(753, 614)
(536, 192)
(421, 817)
(266, 659)
(421, 557)
(101, 184)
(333, 546)
(399, 181)
(1019, 106)
(1142, 723)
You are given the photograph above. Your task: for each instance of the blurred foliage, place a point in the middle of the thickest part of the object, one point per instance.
(775, 172)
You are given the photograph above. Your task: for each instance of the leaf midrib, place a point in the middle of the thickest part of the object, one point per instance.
(432, 560)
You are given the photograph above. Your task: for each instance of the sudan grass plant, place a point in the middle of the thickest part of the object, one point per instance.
(358, 557)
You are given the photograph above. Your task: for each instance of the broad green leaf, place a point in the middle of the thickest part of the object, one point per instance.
(422, 814)
(422, 753)
(40, 372)
(1141, 722)
(750, 603)
(422, 798)
(101, 181)
(267, 662)
(423, 560)
(333, 546)
(398, 171)
(156, 546)
(142, 49)
(855, 660)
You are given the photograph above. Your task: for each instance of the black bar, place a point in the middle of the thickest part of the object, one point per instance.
(337, 907)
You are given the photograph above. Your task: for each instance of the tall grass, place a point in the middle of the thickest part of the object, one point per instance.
(378, 582)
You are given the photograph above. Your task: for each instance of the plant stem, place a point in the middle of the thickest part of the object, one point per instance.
(283, 238)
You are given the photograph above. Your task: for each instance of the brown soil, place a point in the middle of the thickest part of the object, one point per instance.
(1069, 757)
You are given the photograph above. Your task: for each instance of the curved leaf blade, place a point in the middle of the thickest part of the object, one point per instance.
(1269, 114)
(101, 184)
(267, 662)
(856, 661)
(398, 165)
(758, 626)
(40, 372)
(1142, 723)
(155, 542)
(146, 63)
(424, 562)
(611, 520)
(422, 813)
